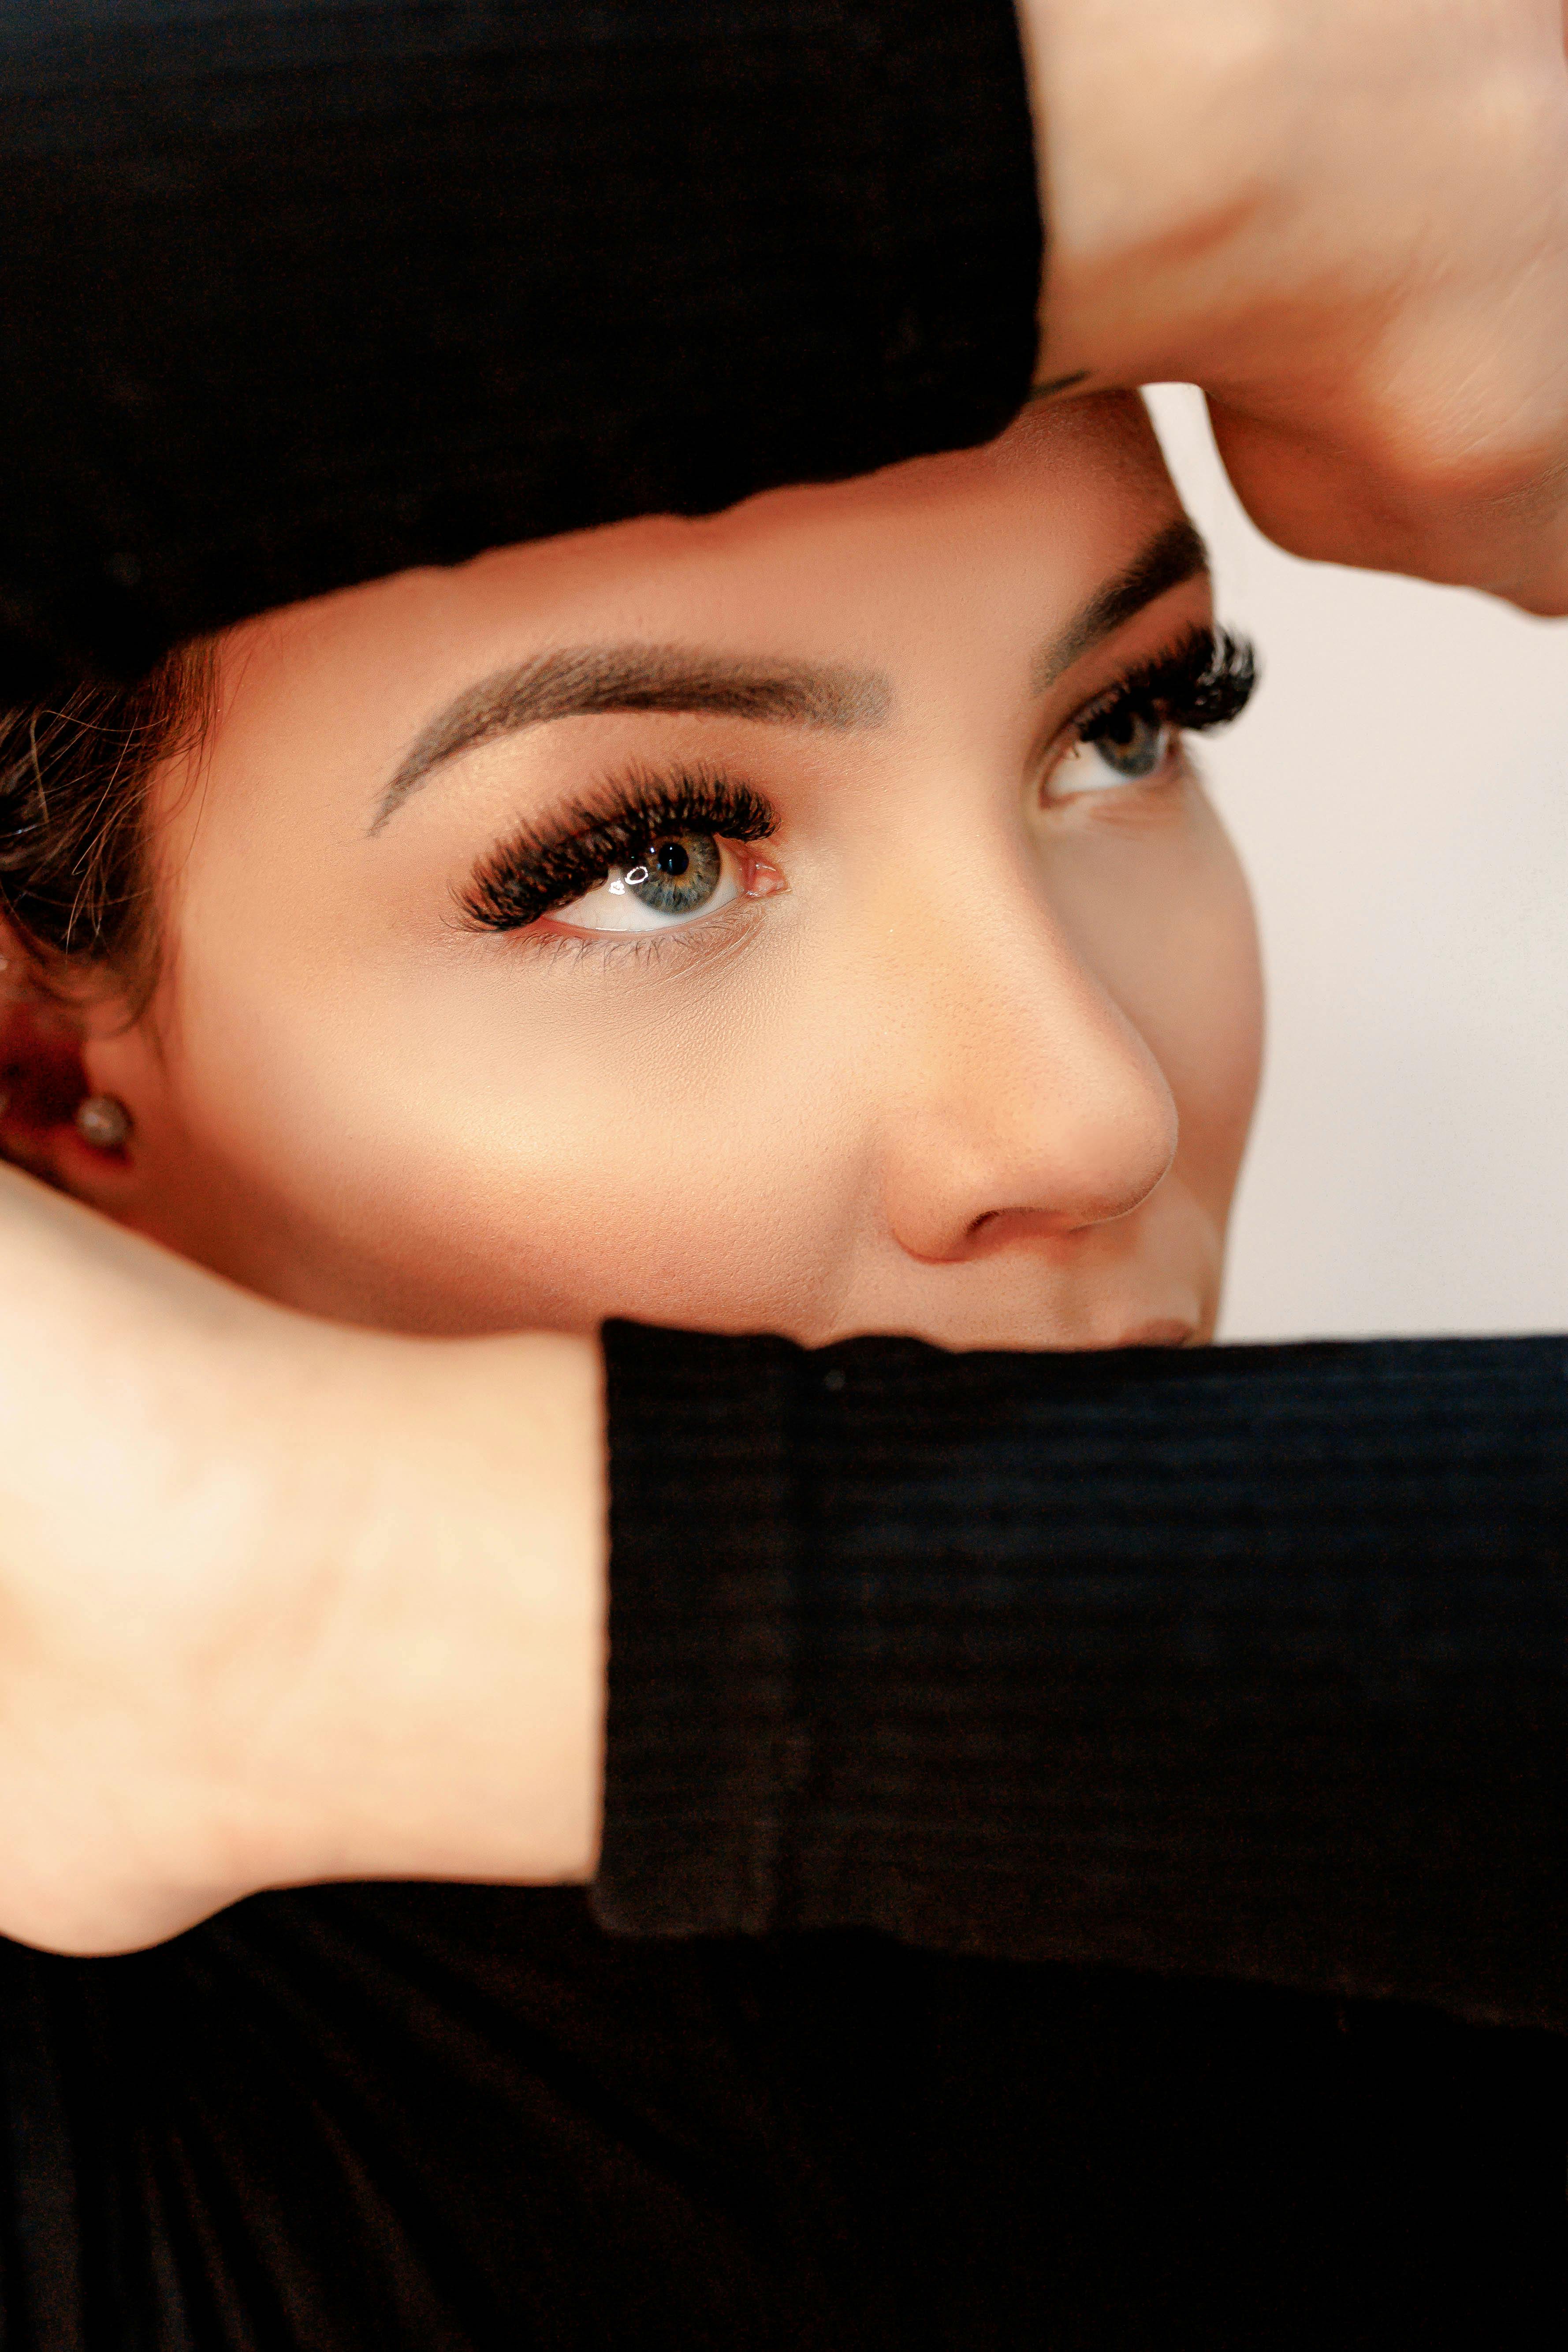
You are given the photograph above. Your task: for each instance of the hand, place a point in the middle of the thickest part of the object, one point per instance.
(1348, 224)
(278, 1602)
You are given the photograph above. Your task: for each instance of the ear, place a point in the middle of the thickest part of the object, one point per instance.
(44, 1082)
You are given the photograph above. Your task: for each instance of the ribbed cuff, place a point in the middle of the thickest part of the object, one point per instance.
(1249, 1663)
(704, 1710)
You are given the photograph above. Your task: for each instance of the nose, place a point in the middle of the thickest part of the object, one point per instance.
(1019, 1100)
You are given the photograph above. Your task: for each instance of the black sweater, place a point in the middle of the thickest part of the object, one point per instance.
(1249, 1662)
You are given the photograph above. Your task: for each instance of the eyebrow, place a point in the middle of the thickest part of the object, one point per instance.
(587, 680)
(1175, 554)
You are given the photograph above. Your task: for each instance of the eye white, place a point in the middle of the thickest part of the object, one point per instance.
(1107, 765)
(614, 904)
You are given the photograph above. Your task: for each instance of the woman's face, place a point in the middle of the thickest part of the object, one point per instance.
(883, 1000)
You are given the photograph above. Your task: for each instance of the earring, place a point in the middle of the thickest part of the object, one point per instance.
(102, 1121)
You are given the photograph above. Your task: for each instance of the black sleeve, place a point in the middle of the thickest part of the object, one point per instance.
(1249, 1662)
(298, 295)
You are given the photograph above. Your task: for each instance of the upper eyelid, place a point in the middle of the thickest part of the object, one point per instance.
(1121, 670)
(1218, 644)
(652, 801)
(1136, 675)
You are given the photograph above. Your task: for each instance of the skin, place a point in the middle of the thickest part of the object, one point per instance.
(960, 1060)
(282, 1600)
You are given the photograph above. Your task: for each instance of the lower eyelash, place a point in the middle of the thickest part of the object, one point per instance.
(571, 947)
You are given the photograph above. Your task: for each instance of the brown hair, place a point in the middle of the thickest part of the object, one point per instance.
(75, 871)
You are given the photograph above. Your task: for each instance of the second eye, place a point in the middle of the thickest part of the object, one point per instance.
(1129, 750)
(677, 876)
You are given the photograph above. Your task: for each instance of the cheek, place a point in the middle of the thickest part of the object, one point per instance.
(497, 1145)
(1169, 931)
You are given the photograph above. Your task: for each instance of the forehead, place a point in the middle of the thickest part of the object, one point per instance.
(318, 703)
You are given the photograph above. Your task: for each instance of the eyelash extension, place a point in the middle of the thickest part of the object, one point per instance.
(1202, 683)
(533, 874)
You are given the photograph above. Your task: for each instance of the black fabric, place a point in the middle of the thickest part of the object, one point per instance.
(298, 292)
(1247, 1662)
(459, 2120)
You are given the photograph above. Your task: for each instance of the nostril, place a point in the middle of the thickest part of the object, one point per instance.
(1002, 1229)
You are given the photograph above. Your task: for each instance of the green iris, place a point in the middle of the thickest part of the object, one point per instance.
(678, 874)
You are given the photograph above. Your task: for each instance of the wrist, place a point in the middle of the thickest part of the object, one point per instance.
(1165, 142)
(423, 1696)
(279, 1600)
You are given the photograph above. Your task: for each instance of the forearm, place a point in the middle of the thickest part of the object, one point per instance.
(1166, 146)
(278, 1602)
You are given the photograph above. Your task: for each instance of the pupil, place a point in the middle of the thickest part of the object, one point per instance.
(671, 859)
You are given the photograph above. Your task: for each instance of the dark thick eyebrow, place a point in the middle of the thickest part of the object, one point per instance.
(1175, 554)
(584, 680)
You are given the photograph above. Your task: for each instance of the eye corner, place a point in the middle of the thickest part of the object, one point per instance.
(762, 878)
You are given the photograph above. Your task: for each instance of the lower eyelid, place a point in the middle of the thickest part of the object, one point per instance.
(692, 941)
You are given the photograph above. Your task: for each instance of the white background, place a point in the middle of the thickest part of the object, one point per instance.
(1399, 794)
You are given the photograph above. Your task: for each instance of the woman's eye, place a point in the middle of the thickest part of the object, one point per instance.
(678, 875)
(1127, 747)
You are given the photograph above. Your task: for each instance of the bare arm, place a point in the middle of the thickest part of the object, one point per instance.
(1350, 226)
(280, 1601)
